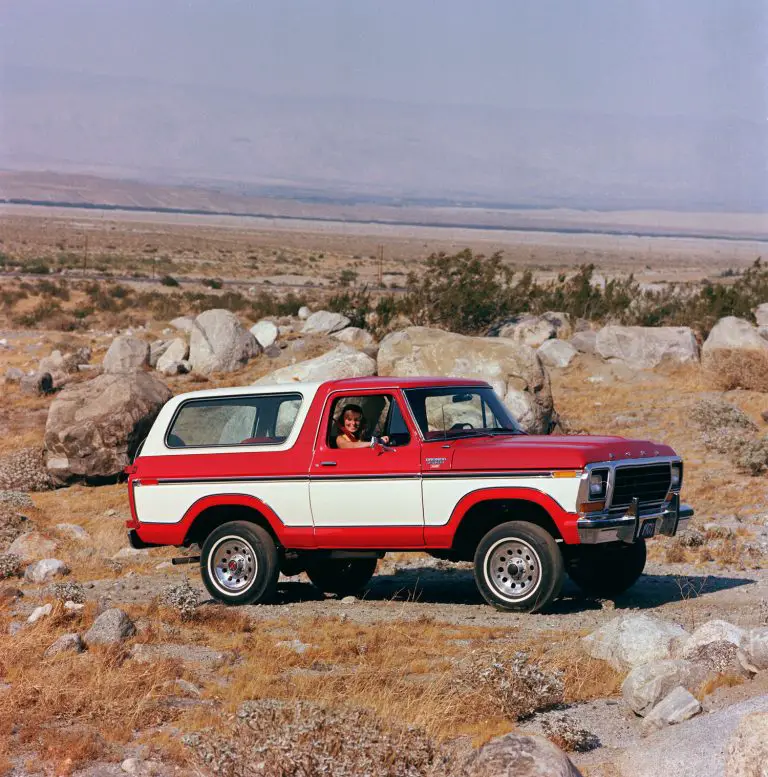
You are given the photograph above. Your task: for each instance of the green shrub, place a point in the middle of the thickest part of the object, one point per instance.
(169, 280)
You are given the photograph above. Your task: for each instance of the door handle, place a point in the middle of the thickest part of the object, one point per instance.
(327, 464)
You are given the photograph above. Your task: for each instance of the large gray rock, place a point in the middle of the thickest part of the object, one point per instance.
(514, 371)
(265, 332)
(678, 705)
(39, 383)
(341, 362)
(44, 570)
(110, 628)
(323, 322)
(645, 686)
(183, 324)
(629, 641)
(713, 631)
(356, 337)
(692, 749)
(761, 314)
(156, 349)
(731, 333)
(585, 342)
(755, 649)
(176, 352)
(126, 354)
(219, 343)
(644, 348)
(520, 755)
(556, 353)
(304, 313)
(747, 753)
(32, 546)
(94, 427)
(529, 330)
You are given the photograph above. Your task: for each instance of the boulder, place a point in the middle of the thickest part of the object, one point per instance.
(44, 570)
(110, 628)
(73, 532)
(761, 314)
(528, 330)
(629, 641)
(747, 751)
(514, 371)
(754, 649)
(219, 343)
(644, 348)
(39, 383)
(342, 362)
(265, 332)
(677, 706)
(561, 322)
(646, 685)
(356, 337)
(556, 353)
(94, 427)
(713, 631)
(692, 749)
(13, 375)
(66, 643)
(125, 355)
(183, 323)
(156, 349)
(176, 352)
(731, 333)
(323, 322)
(585, 342)
(60, 365)
(520, 755)
(304, 313)
(32, 546)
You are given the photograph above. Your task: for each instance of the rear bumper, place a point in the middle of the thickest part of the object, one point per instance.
(603, 527)
(138, 544)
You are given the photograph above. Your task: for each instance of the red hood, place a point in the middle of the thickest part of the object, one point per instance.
(547, 452)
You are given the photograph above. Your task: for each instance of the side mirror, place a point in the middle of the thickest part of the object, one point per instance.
(379, 446)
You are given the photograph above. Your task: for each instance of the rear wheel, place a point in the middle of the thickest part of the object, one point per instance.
(239, 563)
(341, 576)
(606, 570)
(518, 567)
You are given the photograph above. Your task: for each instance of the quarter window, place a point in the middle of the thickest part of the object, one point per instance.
(248, 420)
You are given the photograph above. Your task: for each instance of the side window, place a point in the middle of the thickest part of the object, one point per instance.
(378, 416)
(248, 420)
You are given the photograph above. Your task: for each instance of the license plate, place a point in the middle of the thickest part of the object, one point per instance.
(648, 529)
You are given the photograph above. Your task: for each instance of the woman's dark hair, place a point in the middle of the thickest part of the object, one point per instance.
(355, 409)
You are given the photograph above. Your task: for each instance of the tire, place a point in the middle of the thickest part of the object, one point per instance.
(518, 567)
(606, 570)
(239, 563)
(343, 576)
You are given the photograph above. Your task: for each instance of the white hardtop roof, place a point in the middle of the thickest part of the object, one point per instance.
(308, 389)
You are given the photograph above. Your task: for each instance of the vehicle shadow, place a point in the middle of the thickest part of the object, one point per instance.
(427, 585)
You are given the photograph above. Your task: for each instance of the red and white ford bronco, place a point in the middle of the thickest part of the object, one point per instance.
(257, 478)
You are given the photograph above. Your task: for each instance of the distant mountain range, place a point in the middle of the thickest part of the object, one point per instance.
(344, 151)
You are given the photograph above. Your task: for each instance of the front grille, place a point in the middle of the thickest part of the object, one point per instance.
(648, 482)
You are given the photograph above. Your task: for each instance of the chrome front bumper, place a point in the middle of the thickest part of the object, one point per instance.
(634, 524)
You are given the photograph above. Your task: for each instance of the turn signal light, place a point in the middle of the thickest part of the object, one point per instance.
(591, 507)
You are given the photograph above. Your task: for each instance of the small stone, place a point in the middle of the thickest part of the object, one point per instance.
(73, 606)
(14, 627)
(40, 612)
(189, 688)
(677, 706)
(73, 531)
(111, 627)
(45, 570)
(348, 600)
(130, 765)
(66, 643)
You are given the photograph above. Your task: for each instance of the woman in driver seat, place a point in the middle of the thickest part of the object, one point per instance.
(352, 426)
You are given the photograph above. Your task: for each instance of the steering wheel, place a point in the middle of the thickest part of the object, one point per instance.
(464, 425)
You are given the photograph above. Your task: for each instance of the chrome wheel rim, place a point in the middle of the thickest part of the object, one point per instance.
(512, 569)
(232, 565)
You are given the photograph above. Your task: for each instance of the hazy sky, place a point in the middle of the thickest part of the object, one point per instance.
(693, 59)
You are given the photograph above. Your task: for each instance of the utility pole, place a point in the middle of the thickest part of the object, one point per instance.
(85, 255)
(380, 254)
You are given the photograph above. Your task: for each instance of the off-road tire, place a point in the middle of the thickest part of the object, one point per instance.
(518, 567)
(239, 563)
(606, 570)
(341, 576)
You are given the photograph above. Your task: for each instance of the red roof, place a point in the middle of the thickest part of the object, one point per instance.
(394, 382)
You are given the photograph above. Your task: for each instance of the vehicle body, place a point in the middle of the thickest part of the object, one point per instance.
(254, 477)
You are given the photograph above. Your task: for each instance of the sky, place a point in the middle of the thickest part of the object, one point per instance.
(633, 77)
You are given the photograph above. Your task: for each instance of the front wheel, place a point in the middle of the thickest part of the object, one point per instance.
(342, 577)
(606, 570)
(239, 563)
(518, 567)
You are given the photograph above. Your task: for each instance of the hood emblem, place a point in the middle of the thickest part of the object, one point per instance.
(611, 456)
(642, 453)
(628, 454)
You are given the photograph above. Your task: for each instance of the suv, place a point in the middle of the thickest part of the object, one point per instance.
(255, 477)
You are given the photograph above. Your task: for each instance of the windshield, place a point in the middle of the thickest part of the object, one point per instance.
(458, 411)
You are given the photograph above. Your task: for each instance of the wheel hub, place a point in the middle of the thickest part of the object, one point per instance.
(233, 564)
(513, 569)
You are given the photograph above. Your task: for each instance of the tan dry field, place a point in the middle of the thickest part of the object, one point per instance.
(404, 651)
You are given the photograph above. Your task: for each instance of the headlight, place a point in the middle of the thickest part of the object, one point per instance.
(677, 477)
(598, 480)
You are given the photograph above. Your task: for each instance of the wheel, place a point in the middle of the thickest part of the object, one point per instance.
(239, 563)
(518, 567)
(342, 576)
(606, 570)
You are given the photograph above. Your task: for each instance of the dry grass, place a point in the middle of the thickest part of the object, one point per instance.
(736, 369)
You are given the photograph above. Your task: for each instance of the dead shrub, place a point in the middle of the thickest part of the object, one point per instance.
(182, 598)
(710, 414)
(11, 565)
(675, 553)
(302, 739)
(731, 369)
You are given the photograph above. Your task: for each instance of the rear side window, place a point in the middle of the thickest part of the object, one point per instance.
(265, 419)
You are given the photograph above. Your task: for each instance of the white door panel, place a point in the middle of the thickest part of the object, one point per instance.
(387, 502)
